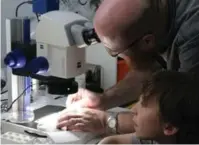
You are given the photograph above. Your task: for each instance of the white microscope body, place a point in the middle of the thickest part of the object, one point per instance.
(61, 38)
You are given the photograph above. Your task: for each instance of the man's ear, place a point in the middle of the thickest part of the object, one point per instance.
(148, 42)
(169, 129)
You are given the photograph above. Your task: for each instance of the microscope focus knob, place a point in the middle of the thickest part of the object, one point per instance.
(38, 65)
(15, 59)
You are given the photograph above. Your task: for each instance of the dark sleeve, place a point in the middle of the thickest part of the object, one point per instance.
(189, 55)
(188, 39)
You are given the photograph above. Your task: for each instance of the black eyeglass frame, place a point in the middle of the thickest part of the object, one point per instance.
(115, 54)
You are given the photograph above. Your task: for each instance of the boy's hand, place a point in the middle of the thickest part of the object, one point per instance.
(108, 140)
(118, 139)
(88, 120)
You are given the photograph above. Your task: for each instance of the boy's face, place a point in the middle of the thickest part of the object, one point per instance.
(146, 121)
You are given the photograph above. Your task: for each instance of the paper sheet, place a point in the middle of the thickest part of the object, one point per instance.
(71, 137)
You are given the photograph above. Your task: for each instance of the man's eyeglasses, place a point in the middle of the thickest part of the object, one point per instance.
(115, 53)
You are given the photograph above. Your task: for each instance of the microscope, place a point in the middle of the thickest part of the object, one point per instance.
(55, 58)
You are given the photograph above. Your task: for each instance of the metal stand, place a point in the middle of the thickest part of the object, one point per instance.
(19, 94)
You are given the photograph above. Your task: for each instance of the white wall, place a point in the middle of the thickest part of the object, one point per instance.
(95, 54)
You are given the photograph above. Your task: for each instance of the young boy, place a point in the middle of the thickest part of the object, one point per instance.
(167, 112)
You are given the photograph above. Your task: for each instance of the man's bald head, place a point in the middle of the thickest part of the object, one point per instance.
(119, 22)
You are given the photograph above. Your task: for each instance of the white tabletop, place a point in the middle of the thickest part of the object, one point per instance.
(42, 101)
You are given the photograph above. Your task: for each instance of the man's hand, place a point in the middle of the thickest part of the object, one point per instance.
(84, 98)
(88, 120)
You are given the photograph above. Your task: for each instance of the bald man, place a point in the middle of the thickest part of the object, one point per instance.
(149, 35)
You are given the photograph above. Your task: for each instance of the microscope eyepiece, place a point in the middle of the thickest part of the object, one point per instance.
(90, 36)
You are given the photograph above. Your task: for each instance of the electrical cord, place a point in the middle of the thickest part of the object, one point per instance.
(8, 109)
(26, 2)
(17, 8)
